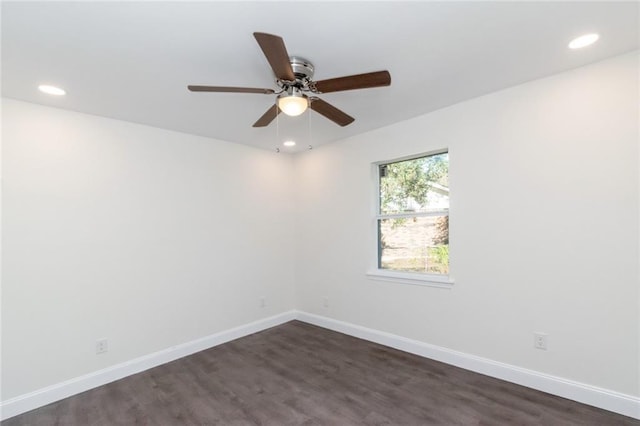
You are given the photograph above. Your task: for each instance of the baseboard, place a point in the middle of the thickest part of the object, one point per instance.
(598, 397)
(41, 397)
(591, 395)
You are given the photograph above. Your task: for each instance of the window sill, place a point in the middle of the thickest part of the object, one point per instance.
(441, 281)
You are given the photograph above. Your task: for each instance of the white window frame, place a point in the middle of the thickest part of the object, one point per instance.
(413, 278)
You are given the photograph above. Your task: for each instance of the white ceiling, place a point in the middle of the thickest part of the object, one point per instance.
(133, 60)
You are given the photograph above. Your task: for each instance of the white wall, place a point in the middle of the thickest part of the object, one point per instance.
(147, 237)
(544, 227)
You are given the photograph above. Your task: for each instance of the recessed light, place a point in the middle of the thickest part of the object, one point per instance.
(51, 90)
(289, 143)
(583, 41)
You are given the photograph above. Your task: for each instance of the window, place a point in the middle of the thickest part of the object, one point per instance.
(413, 218)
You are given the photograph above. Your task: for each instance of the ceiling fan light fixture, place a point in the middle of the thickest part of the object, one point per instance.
(293, 103)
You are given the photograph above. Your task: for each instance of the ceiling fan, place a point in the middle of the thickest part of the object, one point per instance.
(296, 88)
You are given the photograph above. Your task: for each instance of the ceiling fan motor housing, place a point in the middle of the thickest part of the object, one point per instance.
(302, 68)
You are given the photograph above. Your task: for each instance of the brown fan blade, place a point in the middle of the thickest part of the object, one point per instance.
(351, 82)
(223, 89)
(267, 117)
(274, 49)
(331, 112)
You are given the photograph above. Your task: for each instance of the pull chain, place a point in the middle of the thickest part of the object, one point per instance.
(309, 125)
(277, 129)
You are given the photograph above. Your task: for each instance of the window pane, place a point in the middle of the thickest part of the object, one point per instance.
(418, 244)
(418, 185)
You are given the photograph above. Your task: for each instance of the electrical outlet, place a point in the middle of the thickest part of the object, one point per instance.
(540, 341)
(102, 346)
(325, 302)
(263, 301)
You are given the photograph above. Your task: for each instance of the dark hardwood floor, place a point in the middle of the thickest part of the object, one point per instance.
(298, 374)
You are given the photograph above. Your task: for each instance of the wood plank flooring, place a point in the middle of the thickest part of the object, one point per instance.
(298, 374)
